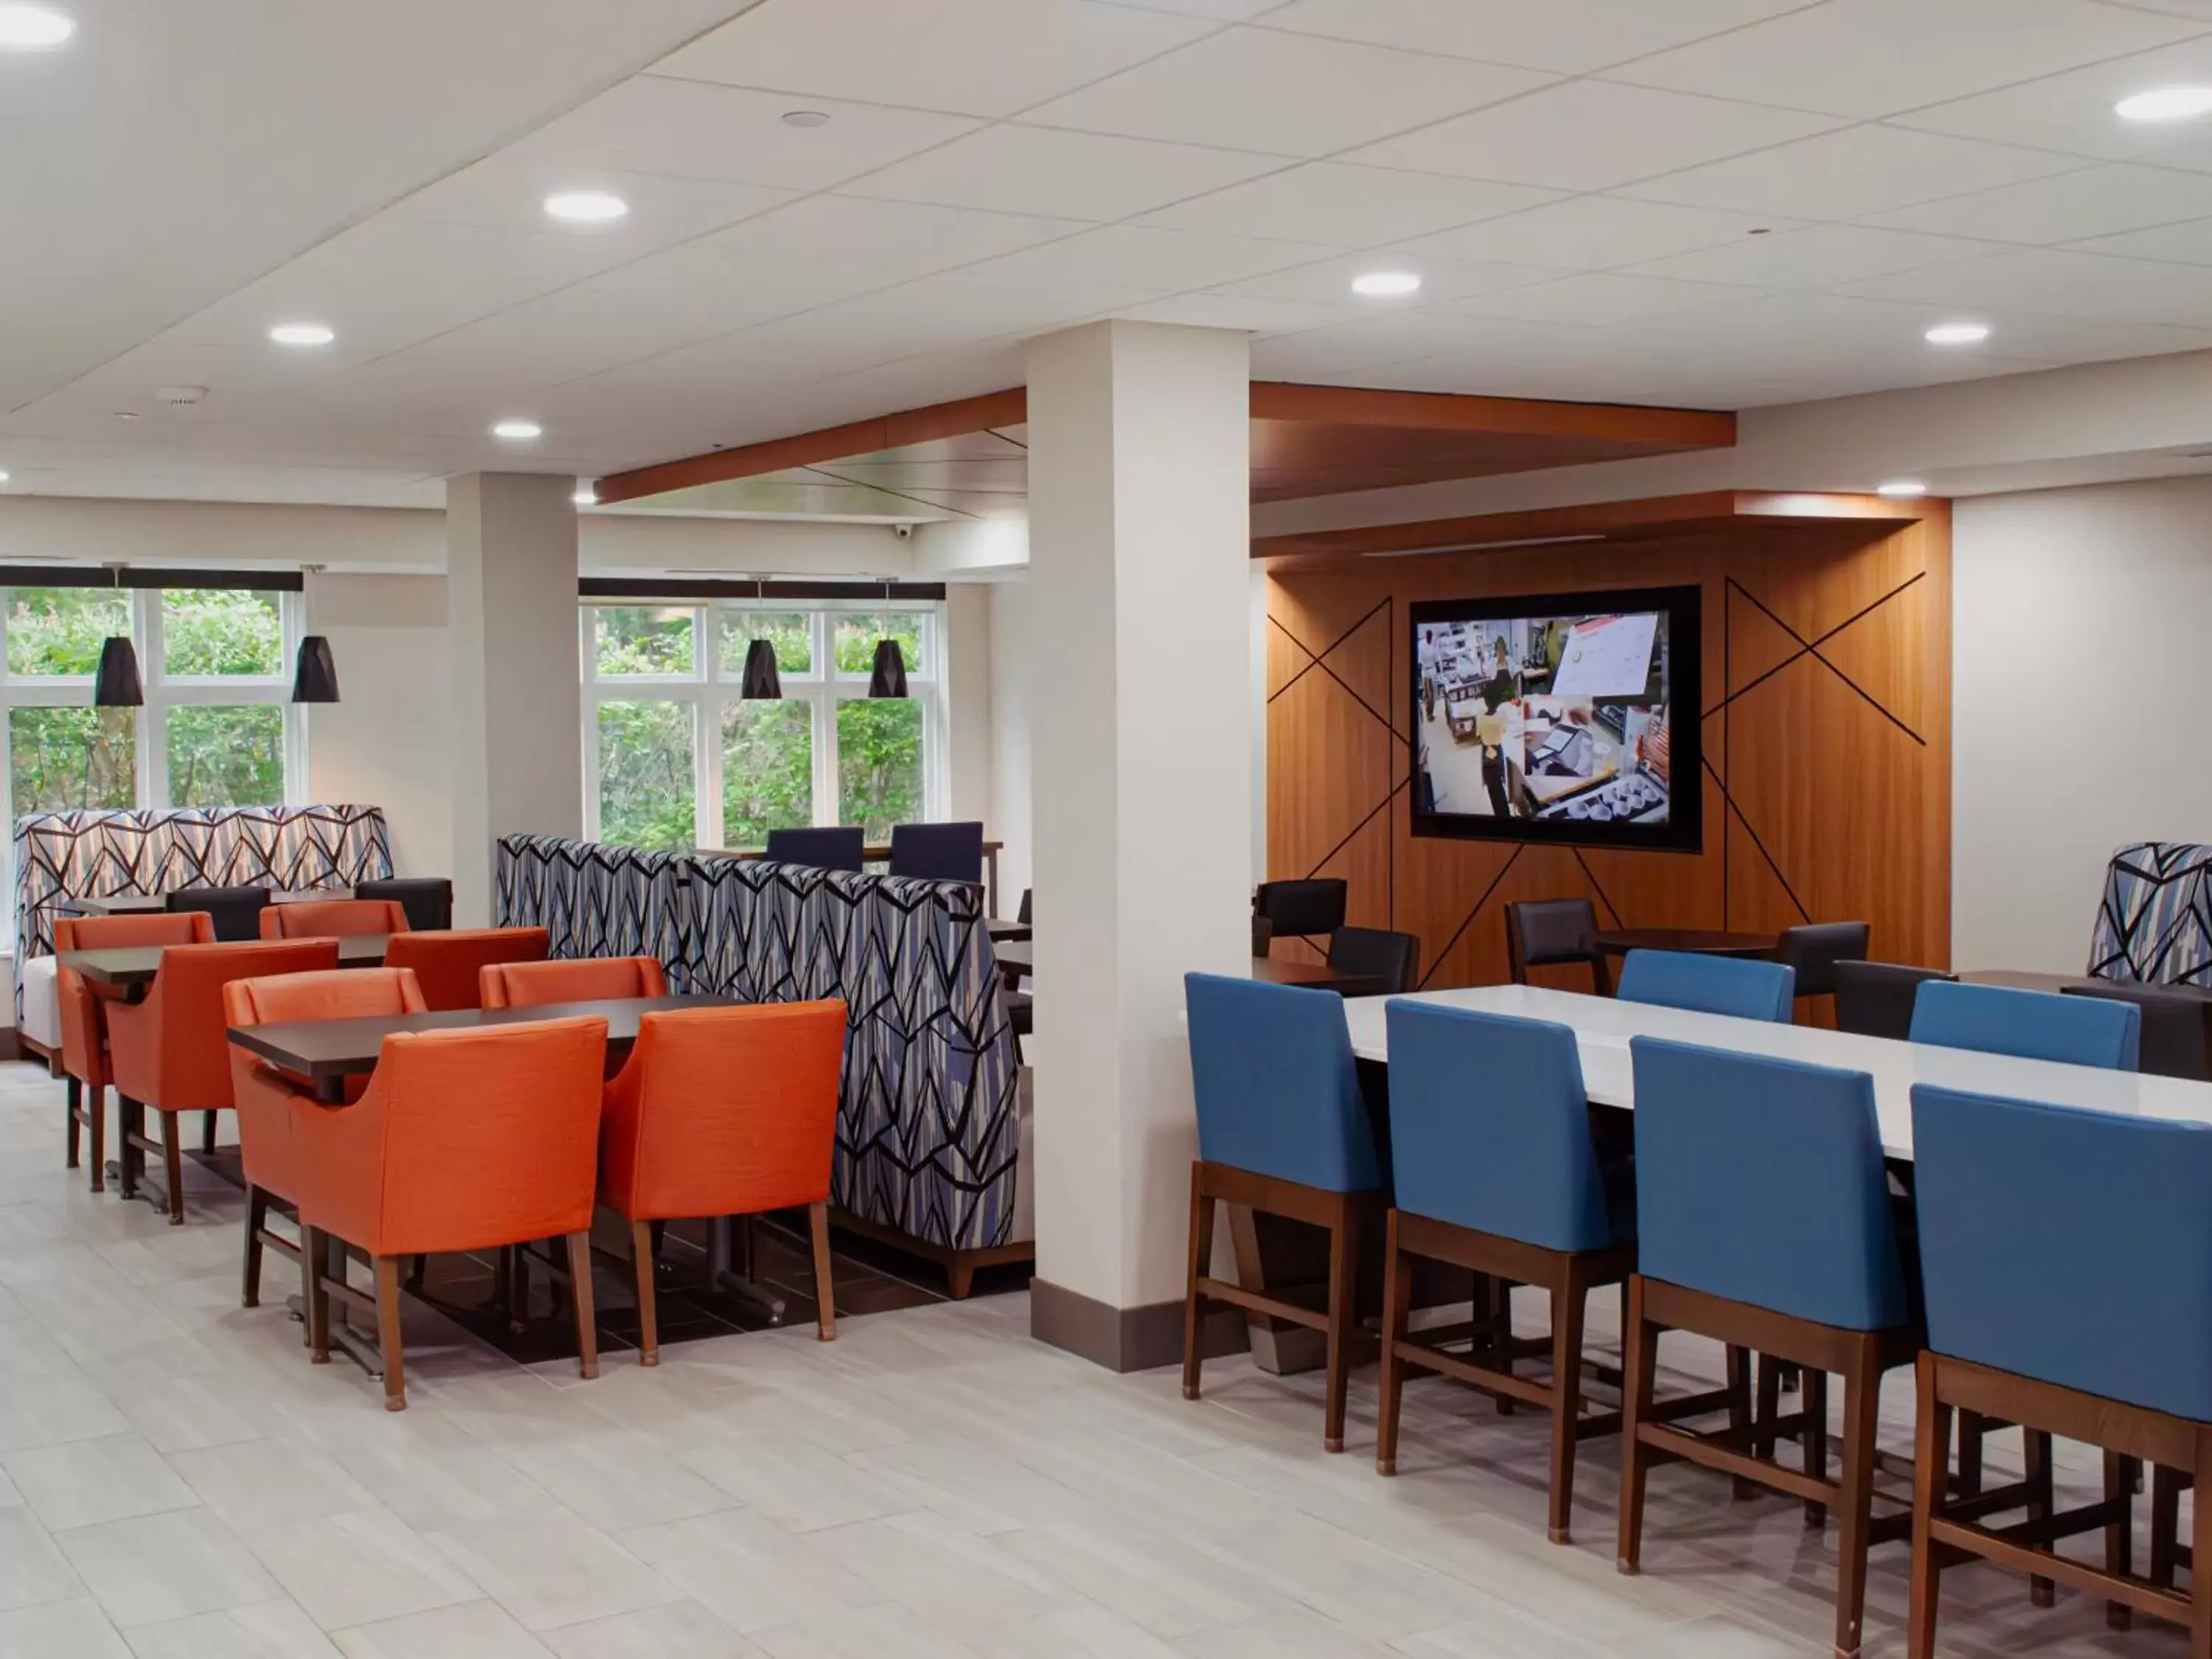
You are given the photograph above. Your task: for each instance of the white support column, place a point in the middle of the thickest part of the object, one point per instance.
(517, 753)
(1140, 706)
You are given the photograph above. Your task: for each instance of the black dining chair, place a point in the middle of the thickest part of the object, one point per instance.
(427, 900)
(1301, 909)
(1376, 952)
(2176, 1025)
(235, 911)
(939, 852)
(838, 848)
(1022, 915)
(1876, 999)
(1263, 935)
(1815, 949)
(1552, 933)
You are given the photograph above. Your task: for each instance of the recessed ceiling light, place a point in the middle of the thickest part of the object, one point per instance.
(302, 334)
(1379, 283)
(1900, 488)
(126, 413)
(28, 28)
(517, 431)
(1957, 334)
(585, 497)
(3, 477)
(2165, 104)
(806, 118)
(586, 207)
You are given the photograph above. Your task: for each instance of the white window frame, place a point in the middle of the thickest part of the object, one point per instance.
(710, 688)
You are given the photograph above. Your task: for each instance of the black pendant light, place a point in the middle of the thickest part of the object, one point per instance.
(316, 679)
(888, 677)
(763, 682)
(117, 685)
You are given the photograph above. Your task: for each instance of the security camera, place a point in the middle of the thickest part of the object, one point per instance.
(904, 532)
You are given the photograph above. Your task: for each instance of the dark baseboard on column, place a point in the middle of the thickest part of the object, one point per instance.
(11, 1045)
(1126, 1338)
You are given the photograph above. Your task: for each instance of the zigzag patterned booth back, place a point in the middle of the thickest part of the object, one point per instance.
(2154, 923)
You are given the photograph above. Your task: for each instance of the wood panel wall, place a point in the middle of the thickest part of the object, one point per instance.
(1827, 743)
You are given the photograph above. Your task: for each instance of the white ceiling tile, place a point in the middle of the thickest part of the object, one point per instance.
(1818, 256)
(2073, 111)
(2059, 282)
(972, 57)
(1287, 94)
(511, 194)
(1570, 36)
(1330, 282)
(1594, 233)
(1221, 11)
(1256, 315)
(1169, 261)
(1367, 342)
(1873, 57)
(1591, 135)
(2100, 201)
(1351, 206)
(692, 129)
(1776, 328)
(892, 241)
(1076, 175)
(1596, 298)
(2189, 244)
(1851, 174)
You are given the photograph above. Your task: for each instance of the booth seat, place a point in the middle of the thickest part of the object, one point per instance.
(38, 1005)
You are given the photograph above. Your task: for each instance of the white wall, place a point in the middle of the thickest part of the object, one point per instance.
(1009, 817)
(967, 627)
(2078, 670)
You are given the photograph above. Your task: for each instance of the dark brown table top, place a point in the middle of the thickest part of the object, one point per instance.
(133, 966)
(1007, 931)
(1698, 941)
(1021, 958)
(327, 1050)
(137, 904)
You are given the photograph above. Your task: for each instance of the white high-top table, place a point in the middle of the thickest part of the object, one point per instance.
(1603, 1026)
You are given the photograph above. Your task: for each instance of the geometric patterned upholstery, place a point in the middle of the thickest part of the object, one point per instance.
(60, 855)
(928, 1124)
(2154, 923)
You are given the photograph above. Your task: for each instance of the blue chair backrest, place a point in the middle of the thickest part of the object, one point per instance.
(2071, 1246)
(1490, 1127)
(1278, 1092)
(818, 848)
(937, 852)
(1708, 985)
(1762, 1180)
(2028, 1025)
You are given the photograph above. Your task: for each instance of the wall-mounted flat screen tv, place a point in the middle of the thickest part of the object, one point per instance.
(1560, 717)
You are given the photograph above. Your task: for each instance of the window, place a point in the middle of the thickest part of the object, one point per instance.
(677, 759)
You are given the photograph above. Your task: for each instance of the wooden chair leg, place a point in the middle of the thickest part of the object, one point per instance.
(257, 1216)
(1973, 1429)
(96, 1117)
(1813, 1394)
(1343, 1284)
(70, 1125)
(1932, 1470)
(580, 1298)
(1567, 1310)
(825, 1287)
(1397, 1305)
(418, 1269)
(172, 1163)
(129, 1121)
(1639, 1372)
(1741, 1417)
(2036, 1446)
(1501, 1339)
(207, 1132)
(2164, 1524)
(1855, 1504)
(2200, 1538)
(312, 1248)
(1201, 1258)
(2119, 1535)
(1769, 1406)
(387, 1333)
(649, 1319)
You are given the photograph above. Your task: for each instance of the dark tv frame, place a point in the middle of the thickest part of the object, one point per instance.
(1685, 828)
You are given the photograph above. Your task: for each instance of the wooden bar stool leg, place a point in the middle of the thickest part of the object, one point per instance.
(1769, 1407)
(2119, 1535)
(387, 1333)
(648, 1321)
(172, 1163)
(1813, 1394)
(1862, 1411)
(96, 1121)
(257, 1217)
(825, 1289)
(1639, 1362)
(2164, 1524)
(2036, 1446)
(2200, 1538)
(1973, 1428)
(1931, 1470)
(1567, 1309)
(1201, 1258)
(1741, 1416)
(313, 1247)
(1501, 1337)
(580, 1299)
(69, 1124)
(1397, 1305)
(1343, 1282)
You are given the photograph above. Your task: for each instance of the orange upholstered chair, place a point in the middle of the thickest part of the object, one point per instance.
(724, 1111)
(333, 919)
(264, 1095)
(464, 1140)
(84, 1026)
(594, 979)
(170, 1052)
(449, 963)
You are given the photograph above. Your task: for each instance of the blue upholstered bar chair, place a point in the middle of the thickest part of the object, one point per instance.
(1496, 1171)
(1763, 1222)
(1708, 985)
(2028, 1025)
(2068, 1262)
(1283, 1128)
(818, 848)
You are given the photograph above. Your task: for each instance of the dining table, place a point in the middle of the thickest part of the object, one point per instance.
(1695, 941)
(127, 970)
(142, 904)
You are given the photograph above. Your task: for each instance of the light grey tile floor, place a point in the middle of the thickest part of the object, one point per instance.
(176, 1482)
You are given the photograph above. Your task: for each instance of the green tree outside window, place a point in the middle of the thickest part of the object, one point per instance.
(767, 770)
(59, 630)
(645, 776)
(879, 775)
(642, 639)
(789, 632)
(858, 632)
(211, 631)
(226, 756)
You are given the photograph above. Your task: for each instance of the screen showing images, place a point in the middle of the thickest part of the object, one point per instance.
(1553, 719)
